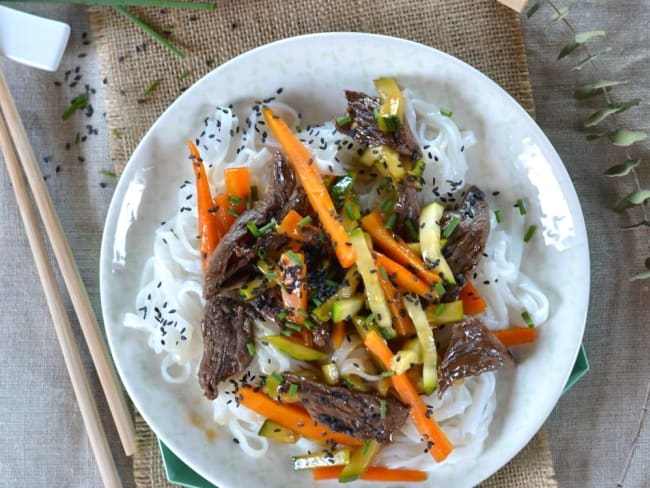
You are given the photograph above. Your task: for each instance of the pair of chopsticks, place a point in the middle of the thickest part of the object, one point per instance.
(16, 150)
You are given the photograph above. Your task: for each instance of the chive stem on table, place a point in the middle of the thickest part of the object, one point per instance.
(149, 30)
(174, 4)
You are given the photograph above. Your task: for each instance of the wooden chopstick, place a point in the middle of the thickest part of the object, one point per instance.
(516, 5)
(71, 277)
(64, 333)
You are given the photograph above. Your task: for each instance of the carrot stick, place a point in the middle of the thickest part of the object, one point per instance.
(372, 473)
(338, 334)
(319, 198)
(401, 320)
(401, 276)
(516, 335)
(293, 275)
(437, 442)
(289, 227)
(224, 219)
(473, 303)
(238, 186)
(292, 417)
(208, 231)
(395, 247)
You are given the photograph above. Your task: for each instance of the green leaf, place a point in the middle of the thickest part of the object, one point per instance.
(600, 115)
(151, 87)
(634, 199)
(591, 58)
(560, 14)
(578, 40)
(531, 11)
(634, 226)
(592, 89)
(583, 37)
(641, 276)
(625, 137)
(623, 169)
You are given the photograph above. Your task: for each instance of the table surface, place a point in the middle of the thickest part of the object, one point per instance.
(42, 438)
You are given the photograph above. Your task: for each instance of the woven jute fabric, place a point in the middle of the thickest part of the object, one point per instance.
(480, 32)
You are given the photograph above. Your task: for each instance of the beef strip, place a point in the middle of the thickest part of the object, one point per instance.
(365, 130)
(237, 249)
(353, 413)
(472, 350)
(226, 329)
(466, 244)
(407, 207)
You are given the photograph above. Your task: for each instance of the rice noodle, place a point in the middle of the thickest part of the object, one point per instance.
(169, 305)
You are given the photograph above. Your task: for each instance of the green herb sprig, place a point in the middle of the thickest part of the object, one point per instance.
(603, 124)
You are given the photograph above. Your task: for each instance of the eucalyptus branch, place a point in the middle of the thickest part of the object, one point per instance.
(618, 137)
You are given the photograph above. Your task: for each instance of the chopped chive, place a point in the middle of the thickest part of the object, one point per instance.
(410, 229)
(254, 194)
(530, 233)
(369, 319)
(309, 324)
(385, 182)
(282, 315)
(78, 103)
(439, 309)
(151, 87)
(303, 312)
(252, 227)
(267, 227)
(277, 377)
(349, 211)
(233, 200)
(262, 254)
(498, 214)
(450, 227)
(271, 275)
(527, 319)
(446, 113)
(294, 257)
(108, 174)
(522, 206)
(345, 120)
(382, 408)
(291, 325)
(316, 301)
(387, 205)
(331, 283)
(293, 390)
(440, 289)
(366, 446)
(286, 332)
(232, 211)
(387, 374)
(375, 114)
(249, 202)
(251, 348)
(304, 221)
(390, 223)
(384, 275)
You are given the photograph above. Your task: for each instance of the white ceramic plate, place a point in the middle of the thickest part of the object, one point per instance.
(512, 156)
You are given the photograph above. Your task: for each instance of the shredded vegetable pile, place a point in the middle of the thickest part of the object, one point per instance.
(339, 306)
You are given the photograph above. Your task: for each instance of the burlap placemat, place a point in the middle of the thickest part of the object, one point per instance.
(480, 32)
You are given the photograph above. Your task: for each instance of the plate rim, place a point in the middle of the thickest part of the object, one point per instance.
(579, 222)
